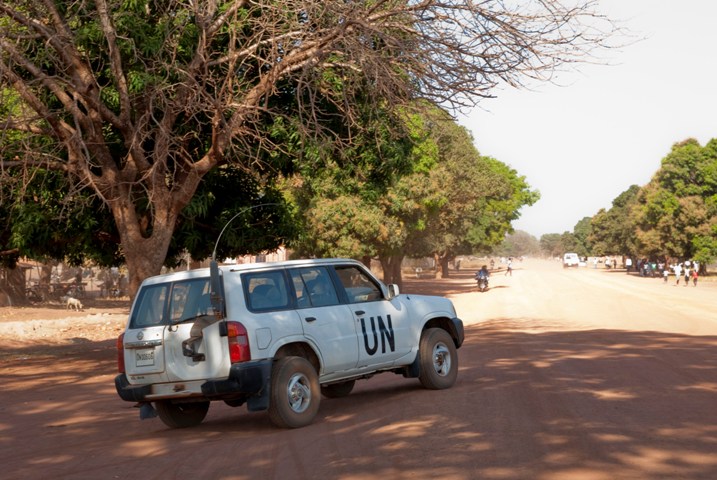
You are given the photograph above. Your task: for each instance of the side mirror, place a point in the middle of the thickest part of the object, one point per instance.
(393, 291)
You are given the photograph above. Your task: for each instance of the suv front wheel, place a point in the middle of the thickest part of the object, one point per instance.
(295, 393)
(438, 359)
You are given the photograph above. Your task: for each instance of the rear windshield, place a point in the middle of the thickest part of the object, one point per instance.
(172, 302)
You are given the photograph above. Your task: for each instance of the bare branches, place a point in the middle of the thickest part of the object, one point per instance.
(451, 52)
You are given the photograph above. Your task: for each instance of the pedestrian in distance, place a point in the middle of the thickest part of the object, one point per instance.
(665, 274)
(509, 270)
(695, 275)
(687, 274)
(678, 273)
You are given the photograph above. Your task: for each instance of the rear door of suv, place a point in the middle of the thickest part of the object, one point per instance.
(174, 335)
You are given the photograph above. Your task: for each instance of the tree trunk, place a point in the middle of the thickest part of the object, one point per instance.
(144, 254)
(15, 287)
(366, 260)
(443, 260)
(391, 265)
(445, 269)
(144, 257)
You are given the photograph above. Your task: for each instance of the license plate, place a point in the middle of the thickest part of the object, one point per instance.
(144, 357)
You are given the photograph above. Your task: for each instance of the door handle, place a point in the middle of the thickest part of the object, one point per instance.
(359, 312)
(310, 319)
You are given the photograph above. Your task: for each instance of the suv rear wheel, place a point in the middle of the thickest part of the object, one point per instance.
(295, 393)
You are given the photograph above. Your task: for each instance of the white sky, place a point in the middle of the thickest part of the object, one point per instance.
(609, 126)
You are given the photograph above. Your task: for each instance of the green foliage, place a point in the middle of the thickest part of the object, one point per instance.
(46, 219)
(612, 232)
(551, 244)
(433, 194)
(581, 232)
(518, 244)
(675, 213)
(264, 223)
(350, 199)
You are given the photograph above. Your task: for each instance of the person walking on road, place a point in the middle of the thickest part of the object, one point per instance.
(695, 275)
(678, 272)
(509, 270)
(687, 274)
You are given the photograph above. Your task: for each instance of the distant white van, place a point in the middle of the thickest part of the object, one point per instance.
(571, 260)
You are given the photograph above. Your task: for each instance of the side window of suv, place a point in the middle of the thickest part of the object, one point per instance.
(313, 287)
(359, 286)
(266, 291)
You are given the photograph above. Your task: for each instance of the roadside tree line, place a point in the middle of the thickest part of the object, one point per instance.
(673, 217)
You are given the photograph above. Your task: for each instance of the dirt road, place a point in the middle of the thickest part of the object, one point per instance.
(565, 374)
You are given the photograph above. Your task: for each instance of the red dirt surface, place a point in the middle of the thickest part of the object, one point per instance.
(564, 374)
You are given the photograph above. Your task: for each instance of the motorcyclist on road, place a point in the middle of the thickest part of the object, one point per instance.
(482, 278)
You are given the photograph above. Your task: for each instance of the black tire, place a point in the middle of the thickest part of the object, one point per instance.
(438, 359)
(338, 390)
(181, 415)
(295, 393)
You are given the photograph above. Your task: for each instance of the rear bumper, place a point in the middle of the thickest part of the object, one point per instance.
(131, 393)
(246, 380)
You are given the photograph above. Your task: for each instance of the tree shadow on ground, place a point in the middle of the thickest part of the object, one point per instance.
(583, 404)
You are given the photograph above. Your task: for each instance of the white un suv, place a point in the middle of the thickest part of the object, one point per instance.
(276, 336)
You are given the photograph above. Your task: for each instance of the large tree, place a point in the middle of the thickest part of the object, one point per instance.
(139, 100)
(582, 231)
(438, 197)
(474, 199)
(612, 231)
(675, 214)
(517, 244)
(551, 244)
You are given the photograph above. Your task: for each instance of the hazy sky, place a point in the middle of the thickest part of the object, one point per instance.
(609, 126)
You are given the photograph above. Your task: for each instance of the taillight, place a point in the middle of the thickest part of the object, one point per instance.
(120, 354)
(238, 342)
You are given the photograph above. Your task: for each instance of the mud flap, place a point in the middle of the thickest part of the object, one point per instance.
(146, 410)
(261, 401)
(413, 370)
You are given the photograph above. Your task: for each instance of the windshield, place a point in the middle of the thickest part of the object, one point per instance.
(175, 302)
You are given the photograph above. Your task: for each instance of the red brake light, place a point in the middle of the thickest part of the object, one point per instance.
(238, 342)
(120, 354)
